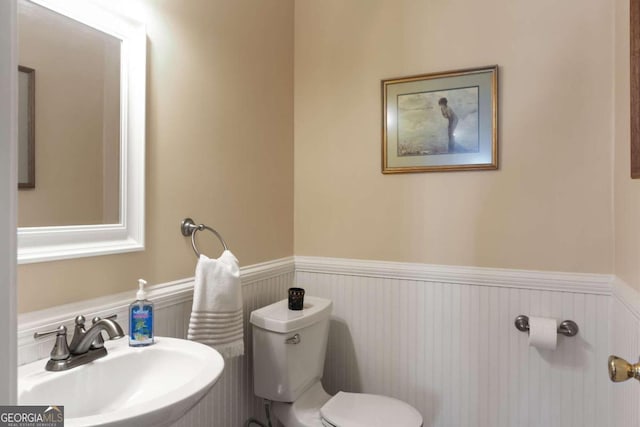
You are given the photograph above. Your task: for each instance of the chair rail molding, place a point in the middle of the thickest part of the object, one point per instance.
(164, 295)
(585, 283)
(627, 296)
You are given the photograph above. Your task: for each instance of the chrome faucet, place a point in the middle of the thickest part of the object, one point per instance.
(83, 343)
(87, 344)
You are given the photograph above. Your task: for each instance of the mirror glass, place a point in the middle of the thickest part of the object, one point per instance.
(87, 66)
(77, 125)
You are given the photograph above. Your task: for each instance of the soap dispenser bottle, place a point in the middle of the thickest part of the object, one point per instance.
(141, 318)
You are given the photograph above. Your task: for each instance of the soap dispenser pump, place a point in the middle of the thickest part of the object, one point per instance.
(141, 318)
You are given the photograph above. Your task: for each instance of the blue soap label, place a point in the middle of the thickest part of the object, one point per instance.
(141, 325)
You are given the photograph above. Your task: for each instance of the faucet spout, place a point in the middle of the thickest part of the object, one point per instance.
(112, 328)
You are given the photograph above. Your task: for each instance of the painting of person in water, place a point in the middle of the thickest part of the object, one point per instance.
(450, 115)
(438, 122)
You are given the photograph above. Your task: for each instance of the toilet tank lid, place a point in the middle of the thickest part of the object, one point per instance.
(278, 318)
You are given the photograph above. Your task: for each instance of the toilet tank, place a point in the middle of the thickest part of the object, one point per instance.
(289, 348)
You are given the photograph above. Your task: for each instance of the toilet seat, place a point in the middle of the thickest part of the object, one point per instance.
(368, 410)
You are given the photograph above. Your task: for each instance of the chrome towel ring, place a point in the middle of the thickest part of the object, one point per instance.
(189, 228)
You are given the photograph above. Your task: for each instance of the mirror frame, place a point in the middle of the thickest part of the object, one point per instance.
(38, 244)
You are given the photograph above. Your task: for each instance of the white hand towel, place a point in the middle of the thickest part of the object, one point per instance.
(216, 316)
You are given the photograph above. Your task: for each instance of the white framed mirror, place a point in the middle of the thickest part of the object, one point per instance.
(89, 197)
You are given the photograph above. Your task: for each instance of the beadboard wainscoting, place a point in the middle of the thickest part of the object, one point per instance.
(444, 340)
(441, 338)
(625, 337)
(231, 402)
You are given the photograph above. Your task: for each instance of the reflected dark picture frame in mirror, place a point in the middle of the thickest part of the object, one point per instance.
(27, 123)
(634, 42)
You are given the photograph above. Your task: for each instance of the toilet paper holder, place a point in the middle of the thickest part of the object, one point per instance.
(568, 328)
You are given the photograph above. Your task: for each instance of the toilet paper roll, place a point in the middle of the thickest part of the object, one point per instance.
(543, 333)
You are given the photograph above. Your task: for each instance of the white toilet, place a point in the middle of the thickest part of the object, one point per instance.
(288, 359)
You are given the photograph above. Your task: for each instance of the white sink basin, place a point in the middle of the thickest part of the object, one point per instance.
(148, 386)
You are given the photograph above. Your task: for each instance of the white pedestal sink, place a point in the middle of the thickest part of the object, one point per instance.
(150, 386)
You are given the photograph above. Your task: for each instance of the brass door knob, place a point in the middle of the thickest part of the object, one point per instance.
(621, 370)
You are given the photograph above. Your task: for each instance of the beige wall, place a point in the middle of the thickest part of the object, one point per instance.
(219, 147)
(549, 206)
(221, 129)
(74, 104)
(627, 191)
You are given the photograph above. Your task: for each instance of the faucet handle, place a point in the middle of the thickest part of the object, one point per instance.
(78, 331)
(99, 341)
(60, 330)
(61, 348)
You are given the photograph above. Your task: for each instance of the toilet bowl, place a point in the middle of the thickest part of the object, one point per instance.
(316, 408)
(289, 348)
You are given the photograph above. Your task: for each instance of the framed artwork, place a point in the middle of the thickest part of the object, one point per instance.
(441, 121)
(26, 127)
(634, 40)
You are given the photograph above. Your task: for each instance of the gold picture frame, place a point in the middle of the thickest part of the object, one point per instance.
(437, 122)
